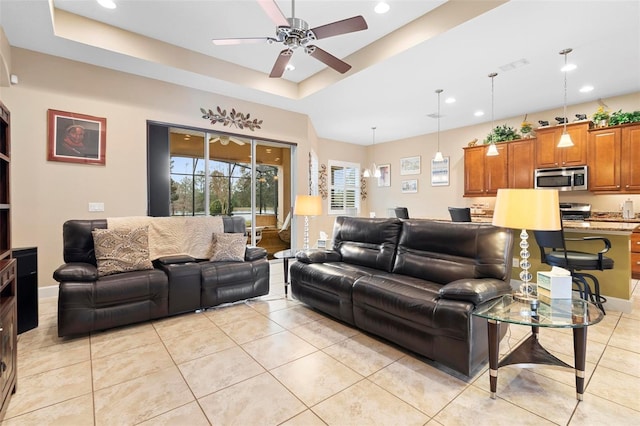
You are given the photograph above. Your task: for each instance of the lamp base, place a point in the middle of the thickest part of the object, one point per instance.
(524, 297)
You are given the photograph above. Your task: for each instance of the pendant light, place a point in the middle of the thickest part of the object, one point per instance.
(565, 139)
(493, 150)
(438, 156)
(375, 172)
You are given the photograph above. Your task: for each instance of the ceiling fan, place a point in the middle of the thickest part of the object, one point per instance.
(224, 140)
(294, 32)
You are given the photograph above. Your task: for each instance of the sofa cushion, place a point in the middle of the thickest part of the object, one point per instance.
(228, 247)
(367, 242)
(121, 250)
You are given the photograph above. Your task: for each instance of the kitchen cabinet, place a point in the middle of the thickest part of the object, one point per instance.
(483, 175)
(520, 165)
(548, 155)
(613, 152)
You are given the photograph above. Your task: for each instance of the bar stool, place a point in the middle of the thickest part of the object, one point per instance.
(554, 252)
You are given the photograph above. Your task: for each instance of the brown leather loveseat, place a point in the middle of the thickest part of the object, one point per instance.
(176, 284)
(414, 282)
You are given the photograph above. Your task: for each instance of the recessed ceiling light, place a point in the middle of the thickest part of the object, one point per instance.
(586, 89)
(107, 4)
(478, 113)
(290, 67)
(568, 67)
(381, 7)
(450, 100)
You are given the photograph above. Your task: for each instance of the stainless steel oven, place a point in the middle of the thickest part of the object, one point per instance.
(562, 179)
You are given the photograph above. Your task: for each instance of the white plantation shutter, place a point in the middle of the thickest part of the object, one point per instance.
(344, 186)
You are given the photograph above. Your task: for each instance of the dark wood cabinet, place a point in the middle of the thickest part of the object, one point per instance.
(614, 155)
(520, 164)
(484, 175)
(548, 155)
(8, 329)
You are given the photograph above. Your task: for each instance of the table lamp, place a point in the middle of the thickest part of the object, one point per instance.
(527, 209)
(307, 205)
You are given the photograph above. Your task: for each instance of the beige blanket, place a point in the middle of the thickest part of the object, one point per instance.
(169, 236)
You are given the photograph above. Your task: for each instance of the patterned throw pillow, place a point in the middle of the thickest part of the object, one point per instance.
(121, 250)
(229, 247)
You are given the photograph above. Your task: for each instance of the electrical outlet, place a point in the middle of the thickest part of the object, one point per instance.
(96, 207)
(516, 262)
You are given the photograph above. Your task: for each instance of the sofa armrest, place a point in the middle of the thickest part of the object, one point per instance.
(172, 260)
(475, 290)
(254, 253)
(318, 256)
(76, 271)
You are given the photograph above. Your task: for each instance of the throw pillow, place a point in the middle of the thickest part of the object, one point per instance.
(229, 247)
(121, 250)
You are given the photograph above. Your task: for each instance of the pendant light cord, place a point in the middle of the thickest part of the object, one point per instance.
(565, 53)
(438, 92)
(492, 75)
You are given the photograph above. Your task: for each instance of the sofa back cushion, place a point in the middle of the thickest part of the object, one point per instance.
(78, 241)
(443, 252)
(367, 241)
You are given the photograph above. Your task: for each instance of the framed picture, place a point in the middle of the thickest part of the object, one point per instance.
(76, 138)
(410, 186)
(385, 175)
(440, 172)
(410, 165)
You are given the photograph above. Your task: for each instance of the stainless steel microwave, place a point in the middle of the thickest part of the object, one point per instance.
(562, 179)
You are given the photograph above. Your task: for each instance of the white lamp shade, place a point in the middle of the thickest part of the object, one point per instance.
(531, 209)
(438, 157)
(366, 173)
(492, 151)
(308, 205)
(565, 140)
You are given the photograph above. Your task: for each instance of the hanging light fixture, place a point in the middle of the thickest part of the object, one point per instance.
(438, 156)
(375, 172)
(493, 150)
(565, 139)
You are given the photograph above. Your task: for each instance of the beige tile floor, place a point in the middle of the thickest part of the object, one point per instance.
(272, 361)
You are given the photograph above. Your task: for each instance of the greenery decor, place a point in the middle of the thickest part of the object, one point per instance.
(601, 114)
(234, 118)
(501, 134)
(620, 117)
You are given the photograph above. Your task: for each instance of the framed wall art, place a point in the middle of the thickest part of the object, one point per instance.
(410, 186)
(440, 172)
(410, 165)
(76, 138)
(385, 175)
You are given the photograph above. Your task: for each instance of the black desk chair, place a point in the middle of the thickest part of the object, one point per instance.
(554, 252)
(460, 214)
(402, 212)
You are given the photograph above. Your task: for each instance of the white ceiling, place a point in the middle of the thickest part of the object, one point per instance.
(394, 92)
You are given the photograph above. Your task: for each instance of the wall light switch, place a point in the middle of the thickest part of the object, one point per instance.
(96, 207)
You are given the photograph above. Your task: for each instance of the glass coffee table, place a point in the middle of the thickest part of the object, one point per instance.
(576, 314)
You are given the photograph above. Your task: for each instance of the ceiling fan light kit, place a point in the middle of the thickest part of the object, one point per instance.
(294, 33)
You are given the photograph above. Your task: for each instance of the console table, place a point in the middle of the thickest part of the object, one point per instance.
(577, 314)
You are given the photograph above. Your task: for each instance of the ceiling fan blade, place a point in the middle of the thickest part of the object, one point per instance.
(281, 63)
(328, 59)
(350, 25)
(273, 11)
(233, 41)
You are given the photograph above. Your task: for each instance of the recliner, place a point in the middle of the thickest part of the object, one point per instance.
(554, 252)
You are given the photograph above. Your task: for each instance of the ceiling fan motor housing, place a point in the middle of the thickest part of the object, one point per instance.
(296, 34)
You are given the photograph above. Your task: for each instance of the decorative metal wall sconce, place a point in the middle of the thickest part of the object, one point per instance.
(235, 118)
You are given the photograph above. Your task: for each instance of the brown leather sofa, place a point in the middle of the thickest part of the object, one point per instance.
(414, 282)
(177, 284)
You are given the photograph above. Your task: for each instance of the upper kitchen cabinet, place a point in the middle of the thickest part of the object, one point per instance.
(483, 175)
(548, 155)
(520, 163)
(613, 152)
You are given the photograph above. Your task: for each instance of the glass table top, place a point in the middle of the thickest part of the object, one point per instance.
(559, 313)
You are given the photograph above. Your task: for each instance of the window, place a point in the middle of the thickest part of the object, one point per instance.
(344, 181)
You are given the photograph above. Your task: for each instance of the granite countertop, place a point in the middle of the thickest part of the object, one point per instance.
(594, 224)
